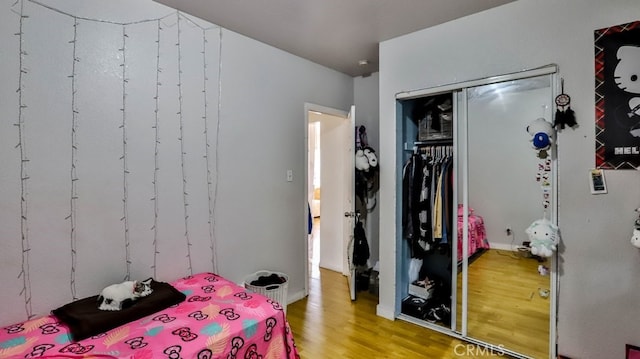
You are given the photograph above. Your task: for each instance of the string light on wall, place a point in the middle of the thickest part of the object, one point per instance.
(217, 152)
(74, 146)
(125, 168)
(205, 118)
(156, 168)
(182, 152)
(24, 177)
(74, 161)
(206, 130)
(212, 184)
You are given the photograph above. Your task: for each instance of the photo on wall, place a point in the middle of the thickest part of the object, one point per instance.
(617, 85)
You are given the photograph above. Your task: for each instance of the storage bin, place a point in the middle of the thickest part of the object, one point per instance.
(415, 306)
(421, 291)
(277, 292)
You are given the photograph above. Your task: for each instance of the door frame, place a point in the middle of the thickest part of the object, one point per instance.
(328, 111)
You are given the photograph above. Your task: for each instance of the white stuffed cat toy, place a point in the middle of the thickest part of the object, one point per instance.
(635, 238)
(543, 237)
(114, 295)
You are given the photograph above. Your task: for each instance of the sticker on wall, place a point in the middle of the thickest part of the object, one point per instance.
(597, 182)
(617, 55)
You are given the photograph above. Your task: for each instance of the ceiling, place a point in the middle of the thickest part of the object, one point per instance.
(334, 33)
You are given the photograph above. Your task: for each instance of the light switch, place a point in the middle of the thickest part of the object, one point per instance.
(289, 175)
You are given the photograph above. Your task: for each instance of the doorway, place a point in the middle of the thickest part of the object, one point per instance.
(314, 190)
(329, 136)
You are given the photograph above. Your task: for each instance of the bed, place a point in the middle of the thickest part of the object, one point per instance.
(477, 234)
(211, 318)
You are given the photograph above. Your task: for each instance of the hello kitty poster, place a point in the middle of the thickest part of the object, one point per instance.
(617, 70)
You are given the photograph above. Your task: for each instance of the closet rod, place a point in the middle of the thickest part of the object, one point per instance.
(446, 150)
(446, 142)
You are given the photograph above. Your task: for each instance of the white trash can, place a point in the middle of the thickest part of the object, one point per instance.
(276, 291)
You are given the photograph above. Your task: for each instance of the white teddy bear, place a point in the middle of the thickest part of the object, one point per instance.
(366, 159)
(542, 136)
(362, 163)
(543, 237)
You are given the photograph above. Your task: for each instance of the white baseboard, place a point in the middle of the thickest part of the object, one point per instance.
(330, 267)
(503, 246)
(294, 297)
(385, 312)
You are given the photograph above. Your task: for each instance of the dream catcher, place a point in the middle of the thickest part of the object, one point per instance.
(564, 114)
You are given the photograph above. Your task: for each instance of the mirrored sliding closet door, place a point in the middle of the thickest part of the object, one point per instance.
(472, 184)
(507, 185)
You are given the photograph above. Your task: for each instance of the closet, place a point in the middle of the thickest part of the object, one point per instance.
(427, 208)
(468, 192)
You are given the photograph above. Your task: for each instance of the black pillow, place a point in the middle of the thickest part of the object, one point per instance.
(84, 319)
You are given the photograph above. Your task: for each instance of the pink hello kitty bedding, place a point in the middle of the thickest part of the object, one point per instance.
(477, 234)
(218, 319)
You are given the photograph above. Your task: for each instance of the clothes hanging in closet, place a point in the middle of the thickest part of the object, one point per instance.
(413, 200)
(427, 200)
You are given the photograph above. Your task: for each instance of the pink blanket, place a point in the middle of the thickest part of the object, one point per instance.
(477, 235)
(219, 319)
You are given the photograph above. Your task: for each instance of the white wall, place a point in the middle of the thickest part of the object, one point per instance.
(366, 91)
(599, 288)
(263, 218)
(255, 133)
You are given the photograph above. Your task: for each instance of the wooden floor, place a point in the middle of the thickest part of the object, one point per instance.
(327, 324)
(504, 303)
